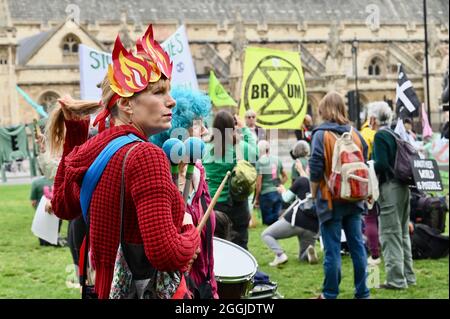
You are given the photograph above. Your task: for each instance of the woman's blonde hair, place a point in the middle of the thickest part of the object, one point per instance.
(55, 128)
(332, 108)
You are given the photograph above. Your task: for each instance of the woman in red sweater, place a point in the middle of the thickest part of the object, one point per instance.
(136, 95)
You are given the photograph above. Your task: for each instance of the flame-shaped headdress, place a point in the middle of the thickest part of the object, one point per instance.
(129, 73)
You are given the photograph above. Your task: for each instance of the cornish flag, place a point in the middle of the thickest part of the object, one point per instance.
(407, 101)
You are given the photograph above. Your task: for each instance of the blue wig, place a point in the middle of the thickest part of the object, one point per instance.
(190, 105)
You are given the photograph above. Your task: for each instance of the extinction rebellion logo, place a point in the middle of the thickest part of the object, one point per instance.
(275, 90)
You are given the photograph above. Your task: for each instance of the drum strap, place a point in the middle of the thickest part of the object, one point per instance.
(208, 235)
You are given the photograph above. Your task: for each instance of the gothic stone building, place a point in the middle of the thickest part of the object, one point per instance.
(39, 42)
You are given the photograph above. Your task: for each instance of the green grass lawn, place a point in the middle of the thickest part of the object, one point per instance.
(28, 270)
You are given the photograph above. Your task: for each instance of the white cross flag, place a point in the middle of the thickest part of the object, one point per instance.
(406, 98)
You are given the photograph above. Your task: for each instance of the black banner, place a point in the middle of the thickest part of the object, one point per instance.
(426, 175)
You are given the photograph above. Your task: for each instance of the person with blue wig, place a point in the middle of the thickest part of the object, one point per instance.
(188, 118)
(191, 110)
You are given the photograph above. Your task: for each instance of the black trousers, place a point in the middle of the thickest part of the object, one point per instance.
(239, 214)
(75, 236)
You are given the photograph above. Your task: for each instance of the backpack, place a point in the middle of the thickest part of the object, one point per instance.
(428, 210)
(428, 243)
(404, 156)
(263, 287)
(349, 178)
(242, 181)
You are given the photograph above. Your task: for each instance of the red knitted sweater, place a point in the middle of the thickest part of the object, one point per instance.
(154, 208)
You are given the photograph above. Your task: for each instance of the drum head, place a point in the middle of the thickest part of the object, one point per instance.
(232, 263)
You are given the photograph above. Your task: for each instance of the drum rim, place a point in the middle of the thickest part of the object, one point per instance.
(234, 280)
(239, 279)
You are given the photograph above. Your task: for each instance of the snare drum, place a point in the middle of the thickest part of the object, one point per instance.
(234, 268)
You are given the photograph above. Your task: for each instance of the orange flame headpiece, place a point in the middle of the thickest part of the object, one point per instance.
(129, 74)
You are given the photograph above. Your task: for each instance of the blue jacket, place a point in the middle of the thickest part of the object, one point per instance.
(317, 169)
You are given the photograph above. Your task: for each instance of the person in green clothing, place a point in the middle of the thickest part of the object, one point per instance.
(37, 189)
(394, 206)
(48, 166)
(231, 140)
(300, 153)
(270, 175)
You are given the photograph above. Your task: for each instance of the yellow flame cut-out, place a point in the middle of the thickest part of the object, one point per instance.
(157, 56)
(115, 86)
(136, 75)
(156, 73)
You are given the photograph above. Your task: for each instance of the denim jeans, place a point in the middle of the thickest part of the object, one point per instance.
(270, 205)
(344, 218)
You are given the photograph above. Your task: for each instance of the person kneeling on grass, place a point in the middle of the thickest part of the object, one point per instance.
(305, 225)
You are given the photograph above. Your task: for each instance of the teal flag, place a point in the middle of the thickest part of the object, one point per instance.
(13, 143)
(37, 107)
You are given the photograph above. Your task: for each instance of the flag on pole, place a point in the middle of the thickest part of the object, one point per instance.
(427, 131)
(218, 95)
(37, 107)
(406, 98)
(401, 131)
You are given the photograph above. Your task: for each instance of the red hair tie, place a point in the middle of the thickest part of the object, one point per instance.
(100, 119)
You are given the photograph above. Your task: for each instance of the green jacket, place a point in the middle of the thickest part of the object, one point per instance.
(384, 151)
(216, 168)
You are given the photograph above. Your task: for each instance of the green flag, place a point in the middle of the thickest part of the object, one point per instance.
(219, 97)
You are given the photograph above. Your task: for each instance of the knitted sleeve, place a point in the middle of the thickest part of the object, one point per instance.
(160, 210)
(66, 199)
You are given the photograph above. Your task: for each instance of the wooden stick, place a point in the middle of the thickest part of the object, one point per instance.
(213, 203)
(37, 129)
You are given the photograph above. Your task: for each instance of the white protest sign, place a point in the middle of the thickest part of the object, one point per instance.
(94, 65)
(183, 72)
(45, 225)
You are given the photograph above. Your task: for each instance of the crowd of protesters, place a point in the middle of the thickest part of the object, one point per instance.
(137, 202)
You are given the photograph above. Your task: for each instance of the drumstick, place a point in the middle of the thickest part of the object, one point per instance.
(213, 203)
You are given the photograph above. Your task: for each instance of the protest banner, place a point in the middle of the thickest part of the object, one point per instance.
(274, 87)
(426, 175)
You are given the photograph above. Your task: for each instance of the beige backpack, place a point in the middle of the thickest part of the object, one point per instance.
(349, 179)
